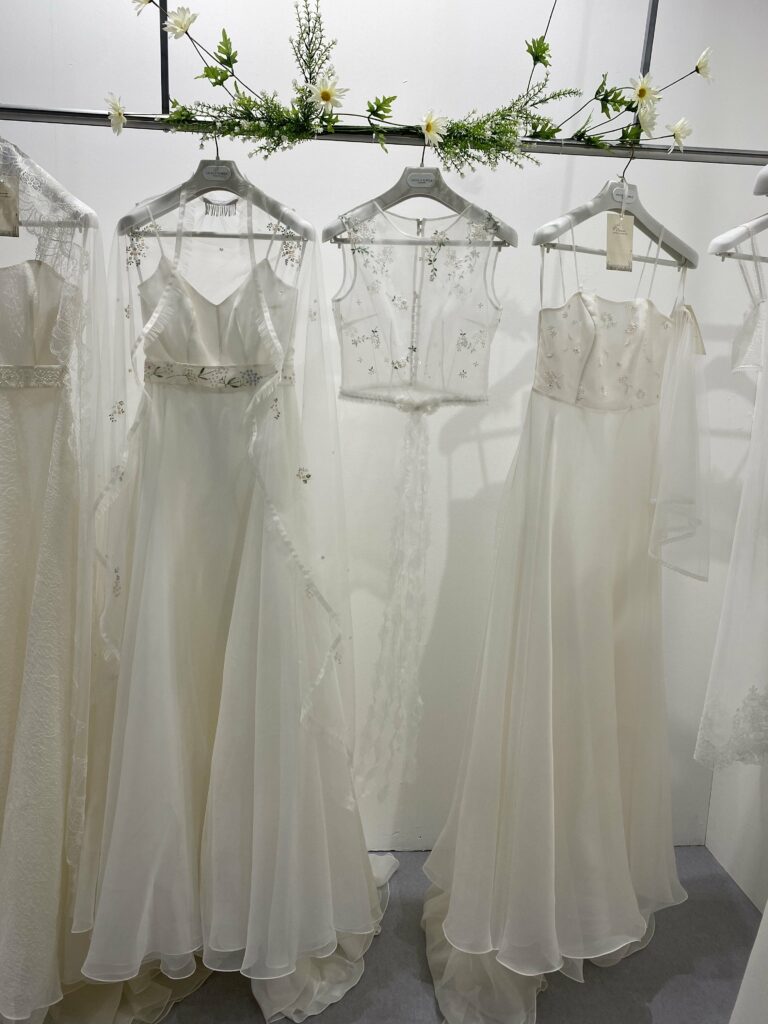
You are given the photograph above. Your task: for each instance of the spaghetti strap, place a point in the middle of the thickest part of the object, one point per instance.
(158, 236)
(656, 261)
(249, 221)
(680, 296)
(562, 275)
(642, 269)
(759, 278)
(543, 253)
(575, 260)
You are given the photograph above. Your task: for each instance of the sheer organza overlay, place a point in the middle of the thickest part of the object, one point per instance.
(416, 315)
(226, 831)
(558, 847)
(734, 724)
(51, 291)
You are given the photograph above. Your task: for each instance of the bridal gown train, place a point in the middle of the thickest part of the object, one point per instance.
(558, 846)
(229, 830)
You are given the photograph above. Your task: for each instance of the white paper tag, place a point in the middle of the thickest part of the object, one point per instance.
(618, 243)
(421, 179)
(9, 207)
(217, 172)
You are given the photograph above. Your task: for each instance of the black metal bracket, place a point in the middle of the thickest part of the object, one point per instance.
(165, 87)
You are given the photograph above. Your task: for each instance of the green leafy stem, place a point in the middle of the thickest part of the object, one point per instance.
(478, 139)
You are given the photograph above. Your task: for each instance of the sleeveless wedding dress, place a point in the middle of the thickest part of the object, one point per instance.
(734, 723)
(228, 831)
(558, 846)
(416, 315)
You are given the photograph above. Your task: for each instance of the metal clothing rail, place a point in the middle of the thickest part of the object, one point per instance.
(562, 147)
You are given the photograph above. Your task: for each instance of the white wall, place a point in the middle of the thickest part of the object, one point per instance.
(454, 56)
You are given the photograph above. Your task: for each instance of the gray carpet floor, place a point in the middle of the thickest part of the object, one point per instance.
(689, 974)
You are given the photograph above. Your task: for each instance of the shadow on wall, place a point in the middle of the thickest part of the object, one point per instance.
(448, 670)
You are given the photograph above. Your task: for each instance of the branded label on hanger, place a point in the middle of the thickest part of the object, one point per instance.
(9, 208)
(618, 244)
(421, 179)
(217, 172)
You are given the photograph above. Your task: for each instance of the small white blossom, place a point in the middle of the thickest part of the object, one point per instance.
(647, 115)
(434, 128)
(115, 113)
(680, 130)
(702, 64)
(140, 5)
(179, 22)
(643, 92)
(327, 94)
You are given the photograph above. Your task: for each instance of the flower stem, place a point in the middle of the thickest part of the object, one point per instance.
(680, 79)
(549, 22)
(205, 62)
(199, 46)
(582, 107)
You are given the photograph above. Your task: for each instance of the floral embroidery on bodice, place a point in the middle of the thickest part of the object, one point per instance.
(602, 354)
(416, 314)
(31, 300)
(225, 345)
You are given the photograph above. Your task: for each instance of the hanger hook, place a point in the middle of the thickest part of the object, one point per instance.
(623, 174)
(216, 144)
(423, 154)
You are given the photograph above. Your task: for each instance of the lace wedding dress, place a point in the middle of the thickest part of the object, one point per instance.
(49, 313)
(734, 724)
(228, 830)
(416, 315)
(558, 846)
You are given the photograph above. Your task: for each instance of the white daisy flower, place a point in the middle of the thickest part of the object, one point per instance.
(647, 115)
(680, 130)
(115, 113)
(643, 92)
(327, 94)
(702, 64)
(179, 22)
(434, 128)
(140, 5)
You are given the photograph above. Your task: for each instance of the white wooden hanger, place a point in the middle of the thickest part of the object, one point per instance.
(725, 245)
(617, 195)
(420, 182)
(216, 176)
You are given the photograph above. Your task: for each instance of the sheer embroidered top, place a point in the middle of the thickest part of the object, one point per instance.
(603, 354)
(416, 312)
(31, 304)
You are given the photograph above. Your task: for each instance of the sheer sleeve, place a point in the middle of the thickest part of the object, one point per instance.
(680, 529)
(327, 552)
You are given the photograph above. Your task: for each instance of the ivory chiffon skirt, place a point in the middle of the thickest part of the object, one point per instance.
(228, 832)
(558, 847)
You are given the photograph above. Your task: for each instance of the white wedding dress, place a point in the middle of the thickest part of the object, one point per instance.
(49, 294)
(558, 846)
(228, 831)
(734, 723)
(416, 316)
